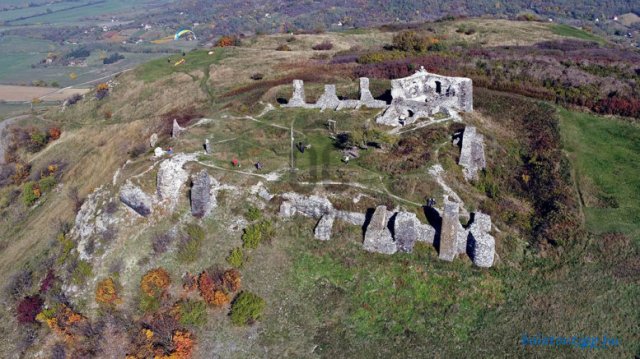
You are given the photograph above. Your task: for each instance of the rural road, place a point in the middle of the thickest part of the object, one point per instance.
(3, 125)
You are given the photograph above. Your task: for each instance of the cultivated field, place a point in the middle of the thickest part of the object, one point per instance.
(28, 93)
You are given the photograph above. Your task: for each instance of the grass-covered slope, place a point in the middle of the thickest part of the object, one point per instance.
(324, 299)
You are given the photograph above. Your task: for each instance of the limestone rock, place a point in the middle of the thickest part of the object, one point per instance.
(153, 140)
(482, 244)
(176, 129)
(287, 210)
(366, 98)
(298, 94)
(472, 153)
(324, 226)
(171, 177)
(449, 232)
(201, 194)
(329, 99)
(136, 199)
(405, 231)
(483, 248)
(310, 206)
(354, 218)
(377, 236)
(426, 233)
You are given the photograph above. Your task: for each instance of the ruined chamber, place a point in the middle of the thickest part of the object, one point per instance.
(424, 94)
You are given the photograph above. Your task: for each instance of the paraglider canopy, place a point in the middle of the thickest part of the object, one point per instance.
(184, 33)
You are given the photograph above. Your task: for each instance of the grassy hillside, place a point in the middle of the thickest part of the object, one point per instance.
(552, 276)
(603, 152)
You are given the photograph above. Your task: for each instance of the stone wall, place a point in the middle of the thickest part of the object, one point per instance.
(388, 232)
(472, 153)
(329, 99)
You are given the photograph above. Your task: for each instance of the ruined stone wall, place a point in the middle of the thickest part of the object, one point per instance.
(329, 99)
(435, 90)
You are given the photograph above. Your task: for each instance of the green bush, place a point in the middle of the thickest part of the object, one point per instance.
(149, 303)
(39, 138)
(189, 247)
(195, 232)
(247, 308)
(29, 196)
(188, 250)
(193, 313)
(236, 258)
(251, 237)
(47, 183)
(266, 230)
(67, 245)
(82, 272)
(252, 214)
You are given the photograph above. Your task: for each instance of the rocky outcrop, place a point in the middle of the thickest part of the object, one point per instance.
(136, 199)
(354, 218)
(94, 219)
(472, 153)
(153, 140)
(201, 194)
(449, 232)
(310, 206)
(171, 177)
(324, 227)
(377, 237)
(176, 130)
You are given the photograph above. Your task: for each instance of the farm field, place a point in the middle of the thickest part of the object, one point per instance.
(28, 93)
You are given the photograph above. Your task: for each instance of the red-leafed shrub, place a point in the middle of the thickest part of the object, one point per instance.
(325, 45)
(28, 308)
(47, 282)
(54, 133)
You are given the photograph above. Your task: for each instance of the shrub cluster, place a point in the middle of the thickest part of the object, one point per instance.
(216, 287)
(189, 246)
(246, 308)
(255, 233)
(323, 46)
